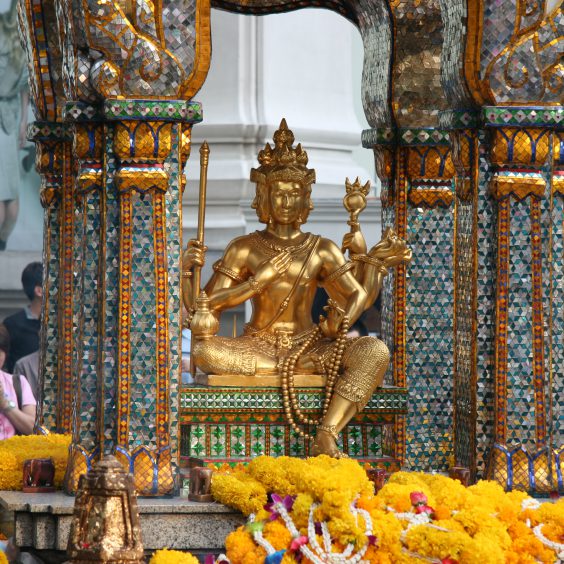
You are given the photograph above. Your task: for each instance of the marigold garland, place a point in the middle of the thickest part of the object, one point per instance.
(166, 556)
(15, 450)
(416, 517)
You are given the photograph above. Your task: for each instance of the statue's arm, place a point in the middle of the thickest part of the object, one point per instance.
(340, 283)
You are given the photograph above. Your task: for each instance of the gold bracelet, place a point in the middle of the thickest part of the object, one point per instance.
(256, 286)
(373, 261)
(339, 272)
(186, 274)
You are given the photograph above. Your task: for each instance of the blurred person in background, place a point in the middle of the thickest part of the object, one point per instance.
(28, 367)
(17, 403)
(23, 326)
(14, 101)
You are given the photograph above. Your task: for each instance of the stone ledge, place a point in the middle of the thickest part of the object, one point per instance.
(42, 522)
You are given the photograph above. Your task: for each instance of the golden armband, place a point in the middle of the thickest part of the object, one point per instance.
(219, 267)
(339, 272)
(373, 261)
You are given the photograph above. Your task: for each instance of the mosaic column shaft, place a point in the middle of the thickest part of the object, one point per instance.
(528, 324)
(129, 185)
(88, 129)
(53, 162)
(465, 143)
(416, 170)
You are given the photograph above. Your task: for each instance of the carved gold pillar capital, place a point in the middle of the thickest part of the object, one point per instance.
(87, 123)
(429, 168)
(50, 139)
(519, 150)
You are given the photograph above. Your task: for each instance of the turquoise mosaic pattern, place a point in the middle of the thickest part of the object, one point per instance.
(87, 254)
(520, 392)
(162, 110)
(464, 401)
(240, 442)
(523, 116)
(487, 236)
(226, 424)
(174, 250)
(196, 399)
(429, 338)
(108, 342)
(557, 420)
(49, 328)
(142, 430)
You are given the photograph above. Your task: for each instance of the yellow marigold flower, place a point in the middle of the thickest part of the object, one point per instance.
(241, 549)
(166, 556)
(398, 495)
(277, 534)
(239, 491)
(271, 474)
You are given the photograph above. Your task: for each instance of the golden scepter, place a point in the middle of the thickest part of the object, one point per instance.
(202, 315)
(204, 159)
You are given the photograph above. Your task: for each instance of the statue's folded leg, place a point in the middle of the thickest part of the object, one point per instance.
(364, 364)
(231, 355)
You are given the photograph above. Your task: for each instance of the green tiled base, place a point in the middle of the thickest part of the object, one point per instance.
(226, 425)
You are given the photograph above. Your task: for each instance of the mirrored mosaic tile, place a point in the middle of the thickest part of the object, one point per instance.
(520, 392)
(429, 338)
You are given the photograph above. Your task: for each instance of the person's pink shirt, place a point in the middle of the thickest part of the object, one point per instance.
(6, 428)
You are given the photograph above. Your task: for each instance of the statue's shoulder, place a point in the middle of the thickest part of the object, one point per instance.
(241, 242)
(238, 249)
(328, 246)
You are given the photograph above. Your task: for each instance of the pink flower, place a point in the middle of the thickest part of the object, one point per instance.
(298, 542)
(418, 498)
(424, 509)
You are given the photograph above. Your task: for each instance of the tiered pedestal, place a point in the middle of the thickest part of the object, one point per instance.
(232, 425)
(42, 522)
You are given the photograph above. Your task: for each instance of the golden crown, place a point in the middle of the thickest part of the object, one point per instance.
(283, 162)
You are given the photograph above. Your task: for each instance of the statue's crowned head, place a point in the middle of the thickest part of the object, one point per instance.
(283, 163)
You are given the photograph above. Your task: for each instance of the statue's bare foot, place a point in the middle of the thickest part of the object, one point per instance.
(325, 443)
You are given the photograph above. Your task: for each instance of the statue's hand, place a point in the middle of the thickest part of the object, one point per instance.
(270, 270)
(354, 243)
(331, 324)
(391, 249)
(194, 255)
(399, 257)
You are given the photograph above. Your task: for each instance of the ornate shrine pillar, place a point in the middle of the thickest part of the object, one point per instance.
(115, 238)
(54, 163)
(416, 171)
(528, 325)
(465, 139)
(55, 361)
(130, 183)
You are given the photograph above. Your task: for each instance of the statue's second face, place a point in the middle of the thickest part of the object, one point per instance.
(287, 201)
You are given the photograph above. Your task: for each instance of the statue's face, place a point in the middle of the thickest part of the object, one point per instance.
(286, 202)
